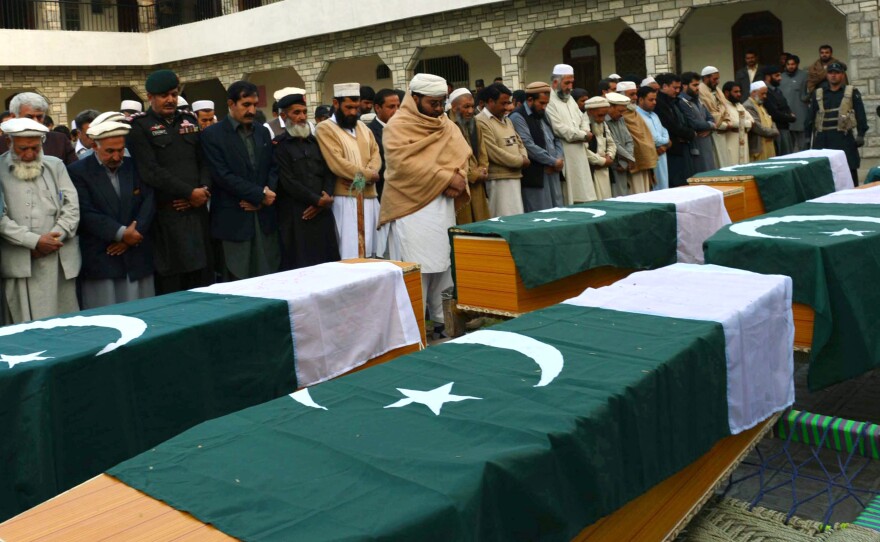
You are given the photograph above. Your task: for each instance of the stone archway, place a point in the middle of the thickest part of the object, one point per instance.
(270, 81)
(460, 63)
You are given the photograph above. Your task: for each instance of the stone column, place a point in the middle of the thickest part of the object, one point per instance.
(400, 61)
(509, 52)
(863, 67)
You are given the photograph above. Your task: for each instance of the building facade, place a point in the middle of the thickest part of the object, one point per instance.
(78, 57)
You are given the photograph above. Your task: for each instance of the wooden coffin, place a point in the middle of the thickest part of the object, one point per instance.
(752, 203)
(487, 280)
(803, 326)
(106, 509)
(734, 201)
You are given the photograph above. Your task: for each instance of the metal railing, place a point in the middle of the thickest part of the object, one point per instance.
(114, 15)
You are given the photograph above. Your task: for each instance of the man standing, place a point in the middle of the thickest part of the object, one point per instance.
(818, 72)
(83, 120)
(764, 131)
(130, 107)
(368, 96)
(351, 151)
(461, 112)
(573, 129)
(680, 168)
(425, 181)
(793, 85)
(647, 97)
(602, 149)
(736, 138)
(700, 121)
(30, 105)
(506, 152)
(625, 159)
(116, 213)
(244, 178)
(385, 105)
(305, 185)
(164, 143)
(39, 250)
(749, 73)
(778, 108)
(641, 174)
(204, 111)
(714, 101)
(276, 125)
(541, 187)
(580, 96)
(835, 111)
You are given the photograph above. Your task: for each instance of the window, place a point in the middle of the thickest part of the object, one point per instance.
(760, 32)
(452, 68)
(582, 53)
(629, 55)
(383, 72)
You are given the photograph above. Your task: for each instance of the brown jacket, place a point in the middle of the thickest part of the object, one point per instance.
(333, 151)
(503, 146)
(816, 74)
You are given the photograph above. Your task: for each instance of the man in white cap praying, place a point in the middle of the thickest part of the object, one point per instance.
(650, 82)
(541, 185)
(130, 107)
(462, 112)
(644, 151)
(117, 211)
(573, 128)
(39, 250)
(426, 173)
(625, 159)
(763, 132)
(204, 111)
(351, 152)
(713, 99)
(602, 150)
(506, 152)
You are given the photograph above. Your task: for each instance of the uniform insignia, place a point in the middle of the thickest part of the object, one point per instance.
(158, 130)
(186, 127)
(137, 192)
(137, 115)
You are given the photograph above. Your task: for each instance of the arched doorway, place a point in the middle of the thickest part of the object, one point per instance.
(760, 32)
(582, 53)
(629, 55)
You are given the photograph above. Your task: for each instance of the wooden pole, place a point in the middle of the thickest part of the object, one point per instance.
(362, 249)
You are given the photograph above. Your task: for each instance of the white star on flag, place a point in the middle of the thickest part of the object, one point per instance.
(547, 220)
(847, 231)
(433, 399)
(15, 360)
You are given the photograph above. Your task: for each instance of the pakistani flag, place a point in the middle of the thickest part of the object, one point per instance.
(556, 243)
(783, 182)
(530, 430)
(831, 251)
(80, 393)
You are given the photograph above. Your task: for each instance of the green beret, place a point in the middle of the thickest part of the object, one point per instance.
(161, 81)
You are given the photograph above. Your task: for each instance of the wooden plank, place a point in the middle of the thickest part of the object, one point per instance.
(665, 509)
(754, 206)
(804, 319)
(734, 201)
(869, 185)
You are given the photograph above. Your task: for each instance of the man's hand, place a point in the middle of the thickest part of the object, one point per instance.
(526, 162)
(131, 236)
(661, 150)
(704, 133)
(560, 163)
(181, 204)
(198, 197)
(484, 175)
(588, 137)
(117, 249)
(860, 141)
(268, 196)
(249, 207)
(608, 161)
(457, 185)
(49, 243)
(325, 201)
(374, 177)
(311, 212)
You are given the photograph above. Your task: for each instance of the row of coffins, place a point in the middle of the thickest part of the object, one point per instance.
(536, 428)
(80, 393)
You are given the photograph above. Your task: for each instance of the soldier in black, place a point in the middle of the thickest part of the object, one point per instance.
(164, 143)
(305, 188)
(836, 109)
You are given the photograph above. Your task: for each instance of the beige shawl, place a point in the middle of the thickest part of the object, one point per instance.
(422, 154)
(644, 150)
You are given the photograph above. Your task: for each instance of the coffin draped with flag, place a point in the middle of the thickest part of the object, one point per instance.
(532, 429)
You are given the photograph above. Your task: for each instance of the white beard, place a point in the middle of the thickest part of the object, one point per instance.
(27, 171)
(298, 130)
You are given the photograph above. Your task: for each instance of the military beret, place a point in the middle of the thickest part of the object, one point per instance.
(836, 67)
(161, 81)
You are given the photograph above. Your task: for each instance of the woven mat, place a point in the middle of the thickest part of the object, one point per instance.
(729, 520)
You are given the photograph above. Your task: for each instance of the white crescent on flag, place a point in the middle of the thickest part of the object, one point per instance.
(776, 164)
(548, 358)
(750, 229)
(595, 212)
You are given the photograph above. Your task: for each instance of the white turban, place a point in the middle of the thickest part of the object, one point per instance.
(203, 105)
(647, 81)
(617, 99)
(346, 90)
(708, 70)
(458, 93)
(563, 69)
(131, 105)
(615, 77)
(757, 85)
(181, 102)
(23, 127)
(625, 85)
(428, 85)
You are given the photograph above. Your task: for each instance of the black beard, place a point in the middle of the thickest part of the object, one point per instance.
(538, 114)
(774, 83)
(348, 122)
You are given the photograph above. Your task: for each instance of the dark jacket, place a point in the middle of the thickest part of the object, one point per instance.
(675, 123)
(56, 144)
(376, 127)
(778, 109)
(742, 79)
(236, 179)
(302, 172)
(102, 213)
(168, 157)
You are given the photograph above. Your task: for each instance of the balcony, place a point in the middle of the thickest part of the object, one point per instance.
(115, 15)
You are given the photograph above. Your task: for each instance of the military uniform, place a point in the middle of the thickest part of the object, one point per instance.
(833, 116)
(168, 156)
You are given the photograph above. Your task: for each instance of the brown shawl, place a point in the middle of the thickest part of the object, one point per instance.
(422, 154)
(816, 74)
(644, 150)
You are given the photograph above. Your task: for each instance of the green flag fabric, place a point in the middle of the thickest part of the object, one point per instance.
(82, 392)
(782, 183)
(556, 243)
(530, 430)
(831, 252)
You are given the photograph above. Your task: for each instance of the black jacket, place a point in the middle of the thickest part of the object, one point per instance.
(675, 123)
(778, 109)
(234, 179)
(376, 127)
(102, 213)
